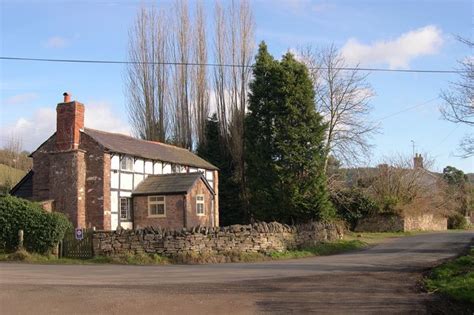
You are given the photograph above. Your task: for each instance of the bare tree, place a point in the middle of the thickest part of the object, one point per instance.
(458, 104)
(201, 91)
(342, 97)
(234, 44)
(181, 49)
(147, 76)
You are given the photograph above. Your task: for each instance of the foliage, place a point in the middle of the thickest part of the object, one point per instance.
(453, 176)
(457, 221)
(231, 210)
(284, 144)
(42, 230)
(353, 204)
(454, 278)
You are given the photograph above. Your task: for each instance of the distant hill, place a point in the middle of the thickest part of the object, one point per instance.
(9, 177)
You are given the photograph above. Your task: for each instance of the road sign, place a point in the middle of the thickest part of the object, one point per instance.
(79, 234)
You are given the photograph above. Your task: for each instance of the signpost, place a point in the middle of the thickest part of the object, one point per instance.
(79, 233)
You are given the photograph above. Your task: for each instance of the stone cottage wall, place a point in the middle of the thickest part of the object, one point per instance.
(258, 237)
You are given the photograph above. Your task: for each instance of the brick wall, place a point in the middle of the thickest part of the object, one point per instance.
(174, 212)
(97, 183)
(67, 175)
(259, 237)
(192, 219)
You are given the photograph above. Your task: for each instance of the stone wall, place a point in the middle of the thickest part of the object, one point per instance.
(426, 222)
(380, 223)
(258, 237)
(395, 223)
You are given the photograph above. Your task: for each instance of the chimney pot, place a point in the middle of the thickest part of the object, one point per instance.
(67, 97)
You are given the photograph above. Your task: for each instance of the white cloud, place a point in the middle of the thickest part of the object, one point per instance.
(396, 53)
(35, 129)
(56, 42)
(20, 99)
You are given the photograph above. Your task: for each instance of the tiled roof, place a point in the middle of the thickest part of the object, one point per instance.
(169, 184)
(147, 149)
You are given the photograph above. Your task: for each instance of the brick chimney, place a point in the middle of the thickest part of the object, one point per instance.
(69, 123)
(417, 161)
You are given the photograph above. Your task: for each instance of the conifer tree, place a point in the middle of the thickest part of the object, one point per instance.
(284, 144)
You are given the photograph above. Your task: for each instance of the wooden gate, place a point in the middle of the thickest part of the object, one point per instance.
(73, 248)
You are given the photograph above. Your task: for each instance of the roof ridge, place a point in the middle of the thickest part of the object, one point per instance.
(138, 139)
(175, 174)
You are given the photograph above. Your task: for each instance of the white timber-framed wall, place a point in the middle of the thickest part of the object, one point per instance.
(123, 181)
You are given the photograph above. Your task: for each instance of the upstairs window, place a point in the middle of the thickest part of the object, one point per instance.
(125, 205)
(156, 206)
(126, 164)
(200, 204)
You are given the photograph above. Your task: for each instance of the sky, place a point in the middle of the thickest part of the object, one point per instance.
(386, 34)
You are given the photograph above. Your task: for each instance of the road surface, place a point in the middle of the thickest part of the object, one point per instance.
(382, 279)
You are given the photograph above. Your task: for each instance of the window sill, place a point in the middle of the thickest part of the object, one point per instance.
(201, 214)
(157, 216)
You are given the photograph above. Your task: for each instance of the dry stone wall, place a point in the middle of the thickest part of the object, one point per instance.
(395, 223)
(258, 237)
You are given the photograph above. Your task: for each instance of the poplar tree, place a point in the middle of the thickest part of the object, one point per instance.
(284, 144)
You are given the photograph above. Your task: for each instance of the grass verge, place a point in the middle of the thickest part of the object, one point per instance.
(454, 279)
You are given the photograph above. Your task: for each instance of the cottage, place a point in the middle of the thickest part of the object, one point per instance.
(107, 180)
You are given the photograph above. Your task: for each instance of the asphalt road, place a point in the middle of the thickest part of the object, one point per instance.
(382, 279)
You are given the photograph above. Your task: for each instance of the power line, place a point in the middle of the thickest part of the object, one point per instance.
(219, 65)
(407, 109)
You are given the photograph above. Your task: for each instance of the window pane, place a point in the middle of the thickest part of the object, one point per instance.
(124, 208)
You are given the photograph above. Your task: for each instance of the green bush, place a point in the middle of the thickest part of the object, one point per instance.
(42, 230)
(457, 221)
(352, 205)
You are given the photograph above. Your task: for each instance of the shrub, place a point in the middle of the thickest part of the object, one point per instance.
(457, 221)
(352, 205)
(42, 230)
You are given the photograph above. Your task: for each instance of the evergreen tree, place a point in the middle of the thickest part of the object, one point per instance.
(230, 202)
(284, 144)
(259, 132)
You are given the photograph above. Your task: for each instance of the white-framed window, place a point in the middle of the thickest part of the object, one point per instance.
(200, 205)
(126, 163)
(156, 206)
(125, 205)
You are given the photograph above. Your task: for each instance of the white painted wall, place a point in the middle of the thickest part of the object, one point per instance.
(114, 201)
(115, 162)
(137, 180)
(158, 168)
(139, 166)
(114, 180)
(166, 168)
(149, 167)
(126, 181)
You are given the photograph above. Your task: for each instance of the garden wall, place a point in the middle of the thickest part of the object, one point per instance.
(258, 237)
(395, 223)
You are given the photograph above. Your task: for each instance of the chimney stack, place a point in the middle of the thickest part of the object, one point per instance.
(417, 161)
(69, 123)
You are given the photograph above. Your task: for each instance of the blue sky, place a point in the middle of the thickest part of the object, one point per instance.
(386, 34)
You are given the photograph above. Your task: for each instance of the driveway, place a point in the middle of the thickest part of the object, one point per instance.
(384, 278)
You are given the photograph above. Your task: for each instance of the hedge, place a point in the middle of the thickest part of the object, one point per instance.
(42, 230)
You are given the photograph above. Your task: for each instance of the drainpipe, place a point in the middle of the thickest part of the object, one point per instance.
(185, 216)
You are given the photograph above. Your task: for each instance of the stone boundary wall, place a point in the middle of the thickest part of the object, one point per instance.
(396, 223)
(258, 237)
